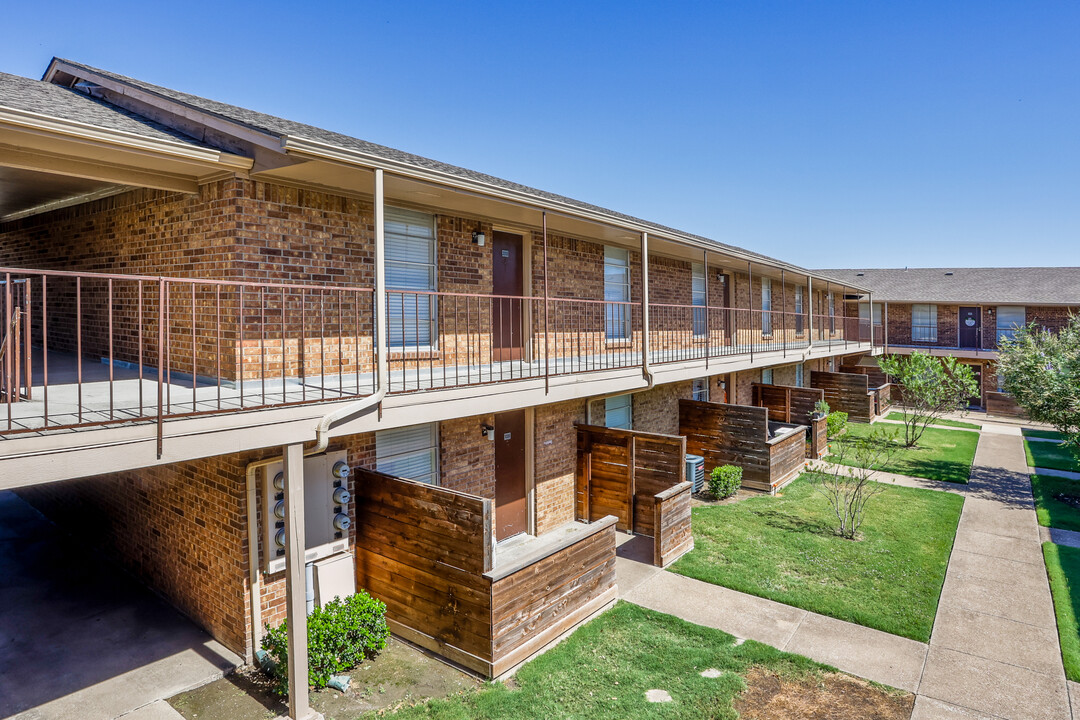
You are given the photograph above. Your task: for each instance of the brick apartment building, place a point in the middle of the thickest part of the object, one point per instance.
(192, 291)
(962, 313)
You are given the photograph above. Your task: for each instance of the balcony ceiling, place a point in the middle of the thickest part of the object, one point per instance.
(25, 191)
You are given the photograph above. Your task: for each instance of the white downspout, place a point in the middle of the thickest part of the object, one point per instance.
(322, 429)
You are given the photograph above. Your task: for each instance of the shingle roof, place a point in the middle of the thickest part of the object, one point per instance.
(45, 98)
(990, 286)
(281, 127)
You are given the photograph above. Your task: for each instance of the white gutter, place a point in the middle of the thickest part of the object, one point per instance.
(25, 119)
(322, 428)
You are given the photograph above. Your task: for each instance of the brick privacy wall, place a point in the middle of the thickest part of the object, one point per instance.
(555, 456)
(466, 458)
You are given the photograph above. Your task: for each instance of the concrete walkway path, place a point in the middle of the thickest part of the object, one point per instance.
(994, 650)
(855, 649)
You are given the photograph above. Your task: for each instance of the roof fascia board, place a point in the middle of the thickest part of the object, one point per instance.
(216, 122)
(325, 151)
(25, 119)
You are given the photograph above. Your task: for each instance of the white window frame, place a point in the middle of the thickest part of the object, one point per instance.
(766, 306)
(700, 389)
(619, 403)
(926, 331)
(800, 375)
(698, 299)
(832, 312)
(864, 312)
(616, 316)
(767, 376)
(799, 322)
(429, 447)
(1008, 331)
(405, 308)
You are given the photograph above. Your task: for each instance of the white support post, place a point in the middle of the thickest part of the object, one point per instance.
(871, 295)
(380, 304)
(810, 315)
(645, 305)
(296, 584)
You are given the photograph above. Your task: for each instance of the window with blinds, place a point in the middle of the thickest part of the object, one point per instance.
(1010, 318)
(766, 306)
(617, 290)
(697, 298)
(410, 274)
(798, 308)
(924, 323)
(766, 376)
(800, 375)
(618, 412)
(409, 452)
(701, 389)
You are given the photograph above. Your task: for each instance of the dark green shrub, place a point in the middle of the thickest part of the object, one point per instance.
(836, 424)
(725, 481)
(340, 635)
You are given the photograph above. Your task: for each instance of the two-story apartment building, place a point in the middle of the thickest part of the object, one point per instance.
(248, 356)
(963, 313)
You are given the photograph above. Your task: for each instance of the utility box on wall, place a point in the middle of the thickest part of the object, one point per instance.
(327, 514)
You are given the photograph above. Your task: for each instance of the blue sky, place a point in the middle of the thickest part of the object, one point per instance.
(825, 133)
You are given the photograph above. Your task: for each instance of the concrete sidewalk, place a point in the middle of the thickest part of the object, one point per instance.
(994, 650)
(855, 649)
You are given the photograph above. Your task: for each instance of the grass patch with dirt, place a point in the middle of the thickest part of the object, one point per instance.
(1057, 501)
(940, 454)
(1050, 455)
(899, 417)
(605, 668)
(784, 548)
(1063, 570)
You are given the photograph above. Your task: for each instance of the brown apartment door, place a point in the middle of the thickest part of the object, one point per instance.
(976, 400)
(511, 508)
(970, 327)
(507, 279)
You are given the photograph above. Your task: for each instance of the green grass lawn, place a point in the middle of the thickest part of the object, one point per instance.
(948, 423)
(1063, 570)
(1051, 511)
(604, 669)
(1048, 434)
(784, 548)
(940, 455)
(1050, 455)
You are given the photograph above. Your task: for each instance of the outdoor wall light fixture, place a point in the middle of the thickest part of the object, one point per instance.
(487, 431)
(479, 237)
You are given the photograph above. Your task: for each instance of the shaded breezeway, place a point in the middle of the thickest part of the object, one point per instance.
(79, 638)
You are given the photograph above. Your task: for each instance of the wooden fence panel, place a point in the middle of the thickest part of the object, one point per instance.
(422, 550)
(726, 434)
(671, 513)
(791, 404)
(846, 392)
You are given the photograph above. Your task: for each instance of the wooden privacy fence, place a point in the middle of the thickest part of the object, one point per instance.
(883, 398)
(640, 479)
(846, 392)
(787, 403)
(427, 552)
(770, 454)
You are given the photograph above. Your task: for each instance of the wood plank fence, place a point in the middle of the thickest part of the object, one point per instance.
(739, 435)
(427, 552)
(846, 392)
(787, 403)
(640, 479)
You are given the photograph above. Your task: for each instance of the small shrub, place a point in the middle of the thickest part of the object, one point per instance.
(821, 408)
(725, 481)
(835, 424)
(340, 635)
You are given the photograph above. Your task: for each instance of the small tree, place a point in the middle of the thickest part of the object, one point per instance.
(1041, 370)
(848, 489)
(931, 387)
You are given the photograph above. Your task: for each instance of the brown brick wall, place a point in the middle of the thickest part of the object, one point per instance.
(556, 462)
(467, 458)
(657, 410)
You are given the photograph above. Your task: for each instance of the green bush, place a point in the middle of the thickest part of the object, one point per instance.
(340, 635)
(725, 481)
(836, 424)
